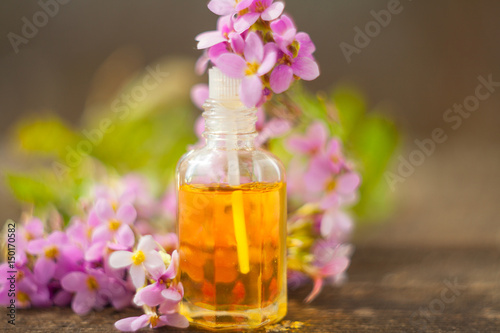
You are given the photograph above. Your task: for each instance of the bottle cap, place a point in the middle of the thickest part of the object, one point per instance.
(222, 86)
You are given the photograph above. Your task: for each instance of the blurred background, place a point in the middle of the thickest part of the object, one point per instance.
(423, 62)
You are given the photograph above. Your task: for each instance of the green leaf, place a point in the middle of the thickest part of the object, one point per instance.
(30, 189)
(351, 108)
(373, 143)
(45, 136)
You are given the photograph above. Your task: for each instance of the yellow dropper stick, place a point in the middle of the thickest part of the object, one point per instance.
(240, 231)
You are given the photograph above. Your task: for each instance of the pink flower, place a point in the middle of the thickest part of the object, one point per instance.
(133, 324)
(258, 61)
(284, 32)
(329, 174)
(56, 256)
(88, 290)
(115, 223)
(331, 260)
(32, 229)
(228, 7)
(312, 142)
(296, 58)
(336, 225)
(224, 34)
(162, 290)
(145, 257)
(321, 178)
(263, 9)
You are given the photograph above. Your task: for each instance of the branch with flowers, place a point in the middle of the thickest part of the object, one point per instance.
(102, 233)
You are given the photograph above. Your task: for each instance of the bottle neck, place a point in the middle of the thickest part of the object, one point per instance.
(229, 125)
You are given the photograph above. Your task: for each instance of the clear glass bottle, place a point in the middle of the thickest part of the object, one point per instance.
(231, 220)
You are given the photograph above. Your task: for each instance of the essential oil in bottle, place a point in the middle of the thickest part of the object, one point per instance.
(231, 221)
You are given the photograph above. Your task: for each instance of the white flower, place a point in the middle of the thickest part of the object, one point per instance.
(145, 258)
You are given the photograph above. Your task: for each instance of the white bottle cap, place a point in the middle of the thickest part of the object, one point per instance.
(222, 86)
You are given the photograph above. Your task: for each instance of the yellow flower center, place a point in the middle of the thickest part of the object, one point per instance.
(138, 257)
(114, 225)
(51, 252)
(154, 320)
(114, 205)
(332, 184)
(92, 283)
(166, 258)
(22, 297)
(252, 68)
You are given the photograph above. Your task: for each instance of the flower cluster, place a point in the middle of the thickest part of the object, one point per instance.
(324, 184)
(101, 258)
(257, 43)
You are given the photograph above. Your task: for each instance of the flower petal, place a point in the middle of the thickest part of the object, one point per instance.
(216, 51)
(125, 236)
(254, 48)
(331, 200)
(305, 68)
(171, 271)
(138, 275)
(318, 174)
(348, 183)
(44, 270)
(237, 42)
(232, 65)
(172, 295)
(209, 39)
(126, 213)
(34, 228)
(270, 57)
(281, 26)
(36, 246)
(318, 285)
(202, 63)
(307, 46)
(243, 4)
(83, 302)
(199, 94)
(154, 262)
(222, 7)
(147, 243)
(150, 295)
(104, 210)
(74, 281)
(336, 224)
(140, 322)
(120, 259)
(246, 21)
(281, 78)
(101, 234)
(125, 325)
(335, 266)
(251, 91)
(273, 11)
(176, 320)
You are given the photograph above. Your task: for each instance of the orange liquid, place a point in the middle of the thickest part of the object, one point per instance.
(213, 223)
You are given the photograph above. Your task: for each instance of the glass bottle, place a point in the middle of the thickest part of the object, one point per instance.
(231, 220)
